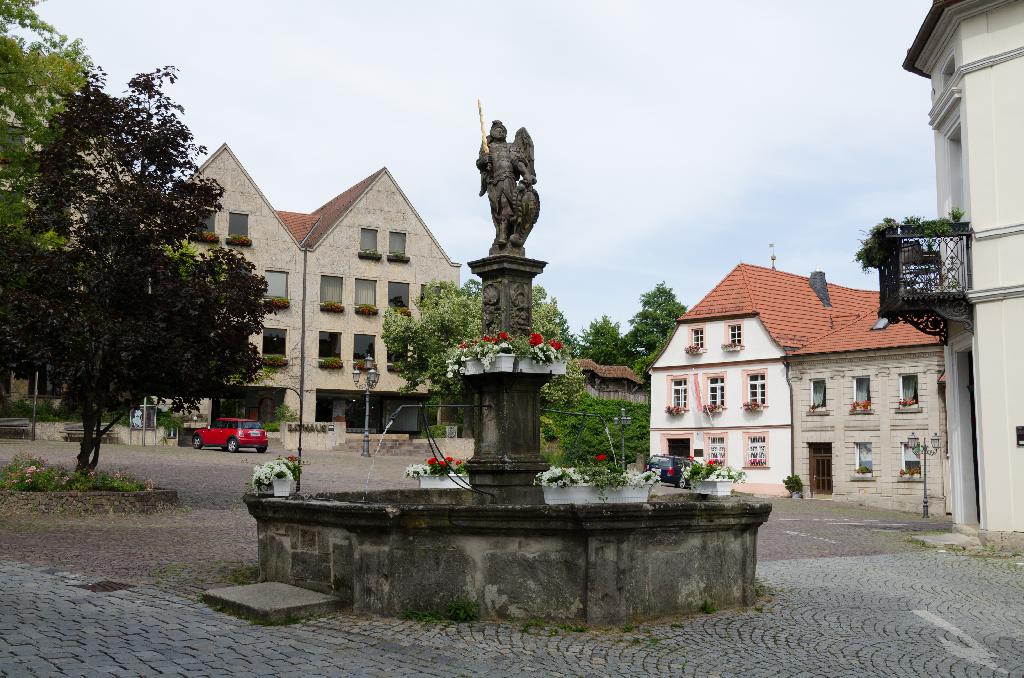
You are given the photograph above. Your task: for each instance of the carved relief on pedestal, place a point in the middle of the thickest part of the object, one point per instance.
(491, 294)
(521, 319)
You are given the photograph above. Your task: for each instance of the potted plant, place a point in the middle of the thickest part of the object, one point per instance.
(239, 240)
(279, 303)
(366, 309)
(599, 480)
(277, 475)
(910, 473)
(331, 307)
(863, 472)
(712, 478)
(860, 406)
(331, 363)
(539, 356)
(752, 406)
(694, 349)
(732, 346)
(437, 473)
(673, 410)
(794, 484)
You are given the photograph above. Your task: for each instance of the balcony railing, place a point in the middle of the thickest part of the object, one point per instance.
(925, 279)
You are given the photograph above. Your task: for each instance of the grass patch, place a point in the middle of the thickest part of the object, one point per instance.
(240, 576)
(530, 624)
(421, 616)
(628, 628)
(708, 607)
(573, 628)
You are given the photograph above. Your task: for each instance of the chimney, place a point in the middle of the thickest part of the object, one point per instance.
(820, 287)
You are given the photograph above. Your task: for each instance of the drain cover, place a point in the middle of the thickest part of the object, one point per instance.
(104, 586)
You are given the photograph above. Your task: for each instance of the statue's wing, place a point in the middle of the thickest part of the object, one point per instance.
(524, 146)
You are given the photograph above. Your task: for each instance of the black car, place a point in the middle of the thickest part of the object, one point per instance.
(671, 469)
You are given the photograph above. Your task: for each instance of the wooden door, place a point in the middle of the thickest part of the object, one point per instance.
(821, 468)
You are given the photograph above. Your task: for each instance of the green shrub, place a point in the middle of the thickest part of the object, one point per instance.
(32, 474)
(793, 483)
(463, 610)
(581, 437)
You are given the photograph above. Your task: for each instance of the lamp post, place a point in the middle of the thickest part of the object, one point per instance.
(623, 420)
(923, 451)
(372, 376)
(298, 483)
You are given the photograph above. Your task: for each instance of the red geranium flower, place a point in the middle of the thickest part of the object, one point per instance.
(458, 462)
(536, 339)
(431, 461)
(711, 462)
(487, 338)
(503, 336)
(601, 457)
(463, 345)
(557, 345)
(449, 459)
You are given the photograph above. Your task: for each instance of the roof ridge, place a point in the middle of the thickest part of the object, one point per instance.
(746, 288)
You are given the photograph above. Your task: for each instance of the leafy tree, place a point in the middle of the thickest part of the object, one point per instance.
(652, 325)
(602, 342)
(108, 294)
(549, 320)
(39, 68)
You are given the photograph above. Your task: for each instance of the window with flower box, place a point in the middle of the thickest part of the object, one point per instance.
(818, 394)
(756, 388)
(697, 337)
(277, 284)
(911, 461)
(367, 240)
(330, 345)
(736, 334)
(757, 449)
(362, 346)
(716, 446)
(366, 292)
(396, 242)
(863, 459)
(862, 389)
(398, 295)
(679, 395)
(274, 341)
(908, 390)
(716, 391)
(238, 224)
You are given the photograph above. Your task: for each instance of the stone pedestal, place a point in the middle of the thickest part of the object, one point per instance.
(506, 456)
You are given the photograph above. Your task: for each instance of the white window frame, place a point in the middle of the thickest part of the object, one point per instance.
(757, 447)
(694, 340)
(718, 389)
(824, 392)
(762, 396)
(736, 334)
(856, 380)
(917, 388)
(373, 284)
(717, 447)
(678, 392)
(904, 449)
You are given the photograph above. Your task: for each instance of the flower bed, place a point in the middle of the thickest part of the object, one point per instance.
(204, 236)
(366, 309)
(712, 408)
(30, 485)
(373, 255)
(239, 240)
(332, 307)
(275, 361)
(279, 303)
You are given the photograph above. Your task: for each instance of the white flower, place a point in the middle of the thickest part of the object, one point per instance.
(264, 475)
(641, 479)
(417, 470)
(560, 476)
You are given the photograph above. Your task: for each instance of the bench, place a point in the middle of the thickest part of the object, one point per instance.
(73, 433)
(11, 427)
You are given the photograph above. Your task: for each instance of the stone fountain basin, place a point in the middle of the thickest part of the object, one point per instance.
(418, 550)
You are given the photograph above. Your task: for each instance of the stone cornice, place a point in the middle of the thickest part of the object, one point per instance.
(942, 112)
(999, 232)
(937, 42)
(878, 356)
(995, 294)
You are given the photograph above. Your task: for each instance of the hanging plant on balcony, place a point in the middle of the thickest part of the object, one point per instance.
(239, 240)
(275, 361)
(204, 236)
(694, 349)
(279, 303)
(366, 309)
(331, 363)
(332, 307)
(875, 248)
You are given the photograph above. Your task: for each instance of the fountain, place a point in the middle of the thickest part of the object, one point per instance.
(499, 545)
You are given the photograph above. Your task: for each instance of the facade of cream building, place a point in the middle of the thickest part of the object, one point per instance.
(326, 244)
(973, 52)
(832, 440)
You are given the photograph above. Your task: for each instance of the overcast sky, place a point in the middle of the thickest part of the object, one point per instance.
(674, 139)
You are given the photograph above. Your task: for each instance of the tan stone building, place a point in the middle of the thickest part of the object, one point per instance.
(858, 394)
(365, 249)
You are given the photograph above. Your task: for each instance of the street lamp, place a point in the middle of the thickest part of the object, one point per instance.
(923, 451)
(622, 421)
(372, 376)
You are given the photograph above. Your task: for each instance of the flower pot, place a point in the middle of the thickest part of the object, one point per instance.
(796, 495)
(530, 366)
(502, 362)
(577, 494)
(715, 488)
(629, 495)
(282, 487)
(474, 366)
(440, 483)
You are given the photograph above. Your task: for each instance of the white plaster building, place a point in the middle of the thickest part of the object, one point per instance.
(366, 246)
(973, 52)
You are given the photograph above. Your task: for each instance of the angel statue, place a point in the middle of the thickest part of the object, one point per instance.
(507, 177)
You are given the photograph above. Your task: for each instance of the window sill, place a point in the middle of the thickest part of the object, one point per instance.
(757, 468)
(862, 479)
(905, 479)
(858, 412)
(368, 254)
(917, 409)
(818, 413)
(700, 352)
(729, 348)
(398, 258)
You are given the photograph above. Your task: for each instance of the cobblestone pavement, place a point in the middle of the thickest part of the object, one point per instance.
(918, 613)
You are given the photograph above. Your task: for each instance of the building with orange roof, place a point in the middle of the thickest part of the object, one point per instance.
(723, 388)
(366, 249)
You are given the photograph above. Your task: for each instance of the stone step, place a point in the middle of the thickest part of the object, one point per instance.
(271, 602)
(389, 448)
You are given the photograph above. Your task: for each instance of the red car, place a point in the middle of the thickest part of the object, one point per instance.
(232, 435)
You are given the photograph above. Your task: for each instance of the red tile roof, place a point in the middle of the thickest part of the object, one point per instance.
(609, 371)
(795, 317)
(316, 224)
